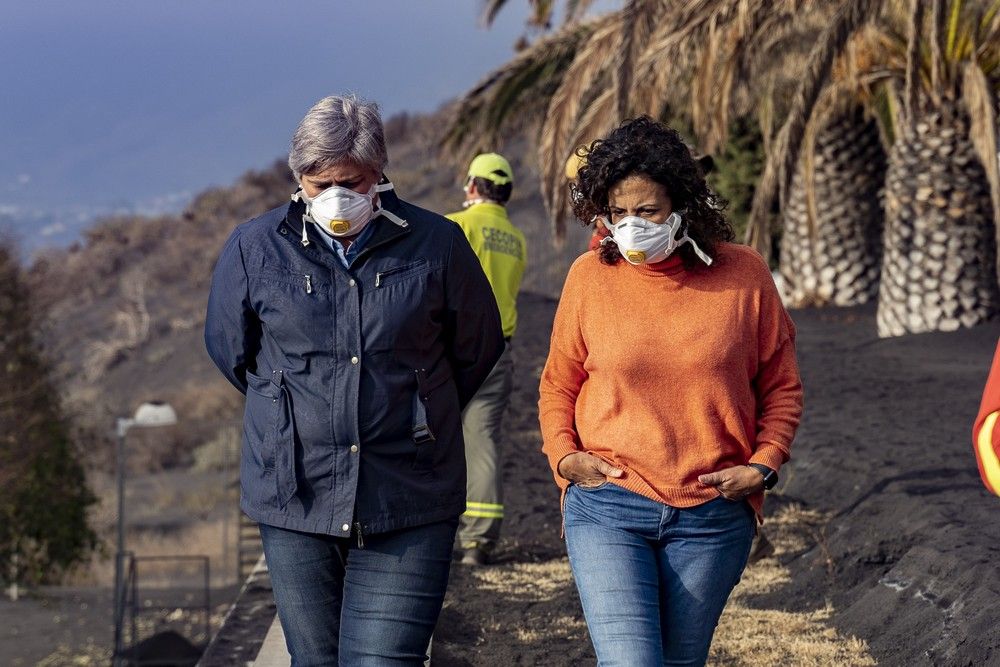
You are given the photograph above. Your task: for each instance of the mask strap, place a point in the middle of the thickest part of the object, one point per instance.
(687, 239)
(698, 251)
(385, 187)
(393, 217)
(298, 196)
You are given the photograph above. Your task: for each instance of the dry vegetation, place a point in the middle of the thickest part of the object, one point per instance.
(748, 635)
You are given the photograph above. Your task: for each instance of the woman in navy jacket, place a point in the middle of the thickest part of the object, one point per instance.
(358, 326)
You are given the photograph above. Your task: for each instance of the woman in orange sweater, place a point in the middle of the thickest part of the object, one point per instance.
(669, 401)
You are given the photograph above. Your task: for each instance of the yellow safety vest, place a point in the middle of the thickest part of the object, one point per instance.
(502, 251)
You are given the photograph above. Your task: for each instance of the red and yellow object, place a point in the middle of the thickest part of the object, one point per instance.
(986, 433)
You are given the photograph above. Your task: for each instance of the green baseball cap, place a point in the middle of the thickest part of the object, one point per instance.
(493, 167)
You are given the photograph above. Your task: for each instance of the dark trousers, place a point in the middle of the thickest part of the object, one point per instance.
(482, 423)
(344, 605)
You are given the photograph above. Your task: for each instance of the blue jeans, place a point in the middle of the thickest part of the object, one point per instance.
(344, 604)
(653, 579)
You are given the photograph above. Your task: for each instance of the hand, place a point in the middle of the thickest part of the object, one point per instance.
(586, 469)
(735, 483)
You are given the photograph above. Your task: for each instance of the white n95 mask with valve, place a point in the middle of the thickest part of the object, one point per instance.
(341, 211)
(641, 241)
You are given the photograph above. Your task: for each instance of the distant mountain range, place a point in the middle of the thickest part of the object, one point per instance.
(36, 228)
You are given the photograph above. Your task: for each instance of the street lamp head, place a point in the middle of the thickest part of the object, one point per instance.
(155, 413)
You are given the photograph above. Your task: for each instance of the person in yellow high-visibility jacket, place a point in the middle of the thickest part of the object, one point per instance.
(502, 251)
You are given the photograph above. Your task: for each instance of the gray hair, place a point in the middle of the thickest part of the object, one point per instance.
(335, 129)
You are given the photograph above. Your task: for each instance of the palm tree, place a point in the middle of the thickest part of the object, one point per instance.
(939, 265)
(831, 243)
(940, 261)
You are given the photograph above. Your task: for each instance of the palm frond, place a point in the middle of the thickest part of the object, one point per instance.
(765, 117)
(575, 10)
(540, 17)
(723, 40)
(937, 47)
(655, 94)
(490, 10)
(912, 84)
(565, 109)
(596, 121)
(781, 162)
(885, 108)
(980, 103)
(703, 85)
(953, 23)
(635, 27)
(989, 31)
(516, 91)
(833, 100)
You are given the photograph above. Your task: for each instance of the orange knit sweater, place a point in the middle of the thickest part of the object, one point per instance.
(670, 373)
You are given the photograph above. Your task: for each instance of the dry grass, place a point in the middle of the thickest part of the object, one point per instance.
(528, 582)
(749, 636)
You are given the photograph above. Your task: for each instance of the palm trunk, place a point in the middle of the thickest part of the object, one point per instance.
(939, 266)
(835, 258)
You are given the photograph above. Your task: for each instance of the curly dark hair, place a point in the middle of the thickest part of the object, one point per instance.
(644, 146)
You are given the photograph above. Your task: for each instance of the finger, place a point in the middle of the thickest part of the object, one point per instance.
(607, 469)
(713, 478)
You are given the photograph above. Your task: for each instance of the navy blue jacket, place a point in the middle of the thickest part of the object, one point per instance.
(355, 378)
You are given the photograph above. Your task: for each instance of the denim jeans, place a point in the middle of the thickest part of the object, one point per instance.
(341, 604)
(653, 579)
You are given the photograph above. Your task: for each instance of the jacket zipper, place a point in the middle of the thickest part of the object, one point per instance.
(382, 274)
(309, 284)
(361, 540)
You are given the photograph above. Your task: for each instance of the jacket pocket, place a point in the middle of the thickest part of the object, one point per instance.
(428, 414)
(394, 274)
(270, 424)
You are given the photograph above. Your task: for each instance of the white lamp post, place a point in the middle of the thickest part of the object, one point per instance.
(154, 413)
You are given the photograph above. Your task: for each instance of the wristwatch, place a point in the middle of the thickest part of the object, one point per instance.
(770, 476)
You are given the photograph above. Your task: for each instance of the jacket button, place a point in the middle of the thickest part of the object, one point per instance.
(354, 448)
(354, 360)
(351, 282)
(283, 231)
(345, 528)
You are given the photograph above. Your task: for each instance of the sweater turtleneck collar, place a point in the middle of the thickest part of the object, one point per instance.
(670, 266)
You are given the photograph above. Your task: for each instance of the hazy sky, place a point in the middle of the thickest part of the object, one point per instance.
(115, 102)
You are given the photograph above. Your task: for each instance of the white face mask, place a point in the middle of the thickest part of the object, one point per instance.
(343, 212)
(643, 242)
